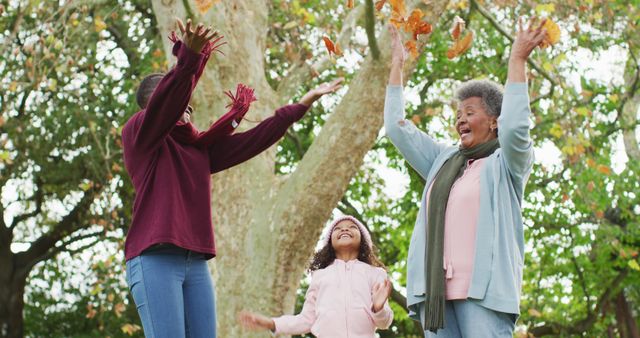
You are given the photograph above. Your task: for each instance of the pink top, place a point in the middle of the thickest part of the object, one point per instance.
(460, 223)
(338, 303)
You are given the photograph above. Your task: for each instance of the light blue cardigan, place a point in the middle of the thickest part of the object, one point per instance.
(497, 272)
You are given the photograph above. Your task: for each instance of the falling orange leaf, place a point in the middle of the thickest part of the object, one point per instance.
(398, 7)
(349, 3)
(415, 24)
(553, 34)
(397, 20)
(412, 48)
(458, 27)
(380, 4)
(205, 5)
(460, 45)
(331, 47)
(604, 169)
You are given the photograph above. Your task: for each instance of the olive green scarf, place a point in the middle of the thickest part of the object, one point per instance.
(452, 169)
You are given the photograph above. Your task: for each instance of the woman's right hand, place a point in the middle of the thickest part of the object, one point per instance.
(196, 38)
(254, 321)
(398, 54)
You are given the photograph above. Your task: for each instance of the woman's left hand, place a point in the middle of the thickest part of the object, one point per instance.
(314, 94)
(527, 39)
(381, 292)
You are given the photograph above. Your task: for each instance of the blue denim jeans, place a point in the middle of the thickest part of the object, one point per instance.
(465, 318)
(173, 292)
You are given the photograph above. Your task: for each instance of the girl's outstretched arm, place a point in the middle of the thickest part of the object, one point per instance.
(380, 310)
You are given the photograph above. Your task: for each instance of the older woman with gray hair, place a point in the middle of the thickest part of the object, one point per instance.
(465, 260)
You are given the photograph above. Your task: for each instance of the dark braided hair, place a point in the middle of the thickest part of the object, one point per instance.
(325, 256)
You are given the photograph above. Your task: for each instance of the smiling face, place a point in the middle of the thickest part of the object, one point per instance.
(473, 124)
(346, 236)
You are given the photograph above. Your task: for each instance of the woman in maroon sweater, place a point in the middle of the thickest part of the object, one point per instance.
(170, 163)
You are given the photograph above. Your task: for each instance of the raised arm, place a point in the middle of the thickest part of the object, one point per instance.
(171, 97)
(513, 123)
(416, 146)
(234, 149)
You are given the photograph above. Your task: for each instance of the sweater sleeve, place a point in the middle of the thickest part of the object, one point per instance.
(415, 145)
(513, 131)
(234, 149)
(383, 318)
(302, 322)
(169, 100)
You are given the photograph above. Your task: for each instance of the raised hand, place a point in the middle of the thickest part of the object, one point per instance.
(196, 37)
(398, 53)
(527, 39)
(380, 294)
(254, 321)
(314, 94)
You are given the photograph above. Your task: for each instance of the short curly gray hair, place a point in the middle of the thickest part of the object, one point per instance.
(489, 91)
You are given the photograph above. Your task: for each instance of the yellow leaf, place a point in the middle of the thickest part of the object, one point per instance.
(99, 24)
(548, 8)
(634, 264)
(613, 98)
(583, 111)
(556, 131)
(534, 313)
(553, 34)
(53, 85)
(547, 66)
(130, 329)
(13, 86)
(290, 24)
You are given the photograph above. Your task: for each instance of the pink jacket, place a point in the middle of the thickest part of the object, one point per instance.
(338, 303)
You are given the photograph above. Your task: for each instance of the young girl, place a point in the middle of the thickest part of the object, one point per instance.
(348, 292)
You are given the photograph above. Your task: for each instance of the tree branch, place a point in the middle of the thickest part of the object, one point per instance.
(586, 323)
(301, 72)
(69, 223)
(503, 31)
(39, 198)
(370, 28)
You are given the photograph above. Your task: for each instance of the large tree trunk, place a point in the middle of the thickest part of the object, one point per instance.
(267, 226)
(11, 294)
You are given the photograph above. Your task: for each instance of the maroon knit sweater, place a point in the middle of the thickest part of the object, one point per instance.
(171, 179)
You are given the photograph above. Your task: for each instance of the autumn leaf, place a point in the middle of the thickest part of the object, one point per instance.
(552, 36)
(415, 25)
(204, 5)
(412, 48)
(379, 4)
(460, 45)
(99, 24)
(604, 169)
(331, 47)
(119, 309)
(91, 312)
(349, 3)
(130, 329)
(398, 7)
(457, 28)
